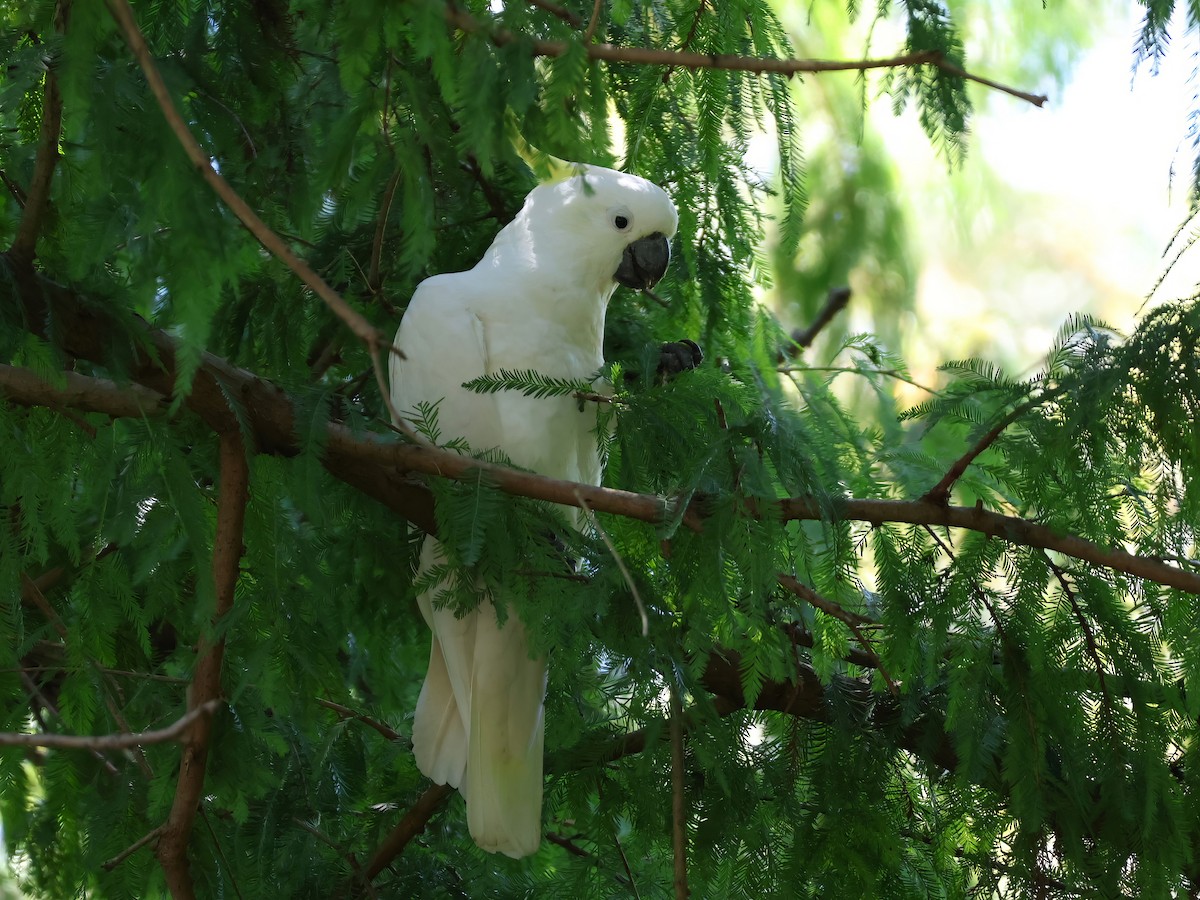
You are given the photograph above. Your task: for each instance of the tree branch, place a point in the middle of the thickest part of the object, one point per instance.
(802, 338)
(232, 497)
(852, 620)
(24, 245)
(121, 741)
(363, 329)
(26, 388)
(382, 468)
(646, 56)
(109, 864)
(409, 827)
(347, 713)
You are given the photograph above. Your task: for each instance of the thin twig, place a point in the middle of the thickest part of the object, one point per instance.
(347, 713)
(569, 845)
(647, 56)
(688, 38)
(628, 871)
(24, 245)
(35, 693)
(120, 741)
(14, 189)
(385, 208)
(593, 22)
(555, 10)
(946, 66)
(363, 329)
(827, 606)
(802, 338)
(221, 853)
(400, 423)
(940, 492)
(1088, 637)
(342, 851)
(637, 597)
(110, 864)
(852, 620)
(855, 370)
(678, 800)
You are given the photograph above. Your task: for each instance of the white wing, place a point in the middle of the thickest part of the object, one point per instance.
(479, 719)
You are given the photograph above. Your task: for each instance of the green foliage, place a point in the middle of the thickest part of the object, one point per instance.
(961, 714)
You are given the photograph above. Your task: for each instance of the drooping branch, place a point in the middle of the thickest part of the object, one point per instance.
(124, 741)
(647, 56)
(233, 494)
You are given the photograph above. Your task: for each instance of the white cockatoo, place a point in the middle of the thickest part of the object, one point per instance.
(536, 301)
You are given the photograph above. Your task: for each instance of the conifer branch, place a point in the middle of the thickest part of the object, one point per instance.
(364, 330)
(852, 620)
(648, 56)
(381, 467)
(940, 492)
(150, 836)
(1089, 638)
(81, 392)
(347, 713)
(409, 827)
(37, 199)
(233, 494)
(119, 741)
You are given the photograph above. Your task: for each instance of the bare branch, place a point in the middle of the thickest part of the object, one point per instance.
(120, 741)
(364, 330)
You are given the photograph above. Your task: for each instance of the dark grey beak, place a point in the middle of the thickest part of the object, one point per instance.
(644, 262)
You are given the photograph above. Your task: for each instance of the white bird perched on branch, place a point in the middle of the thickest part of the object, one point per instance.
(536, 301)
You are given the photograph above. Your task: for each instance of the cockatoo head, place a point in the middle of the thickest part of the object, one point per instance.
(597, 226)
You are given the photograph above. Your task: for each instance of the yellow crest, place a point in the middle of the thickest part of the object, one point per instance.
(546, 169)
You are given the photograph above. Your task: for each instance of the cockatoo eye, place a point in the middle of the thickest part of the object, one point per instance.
(622, 219)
